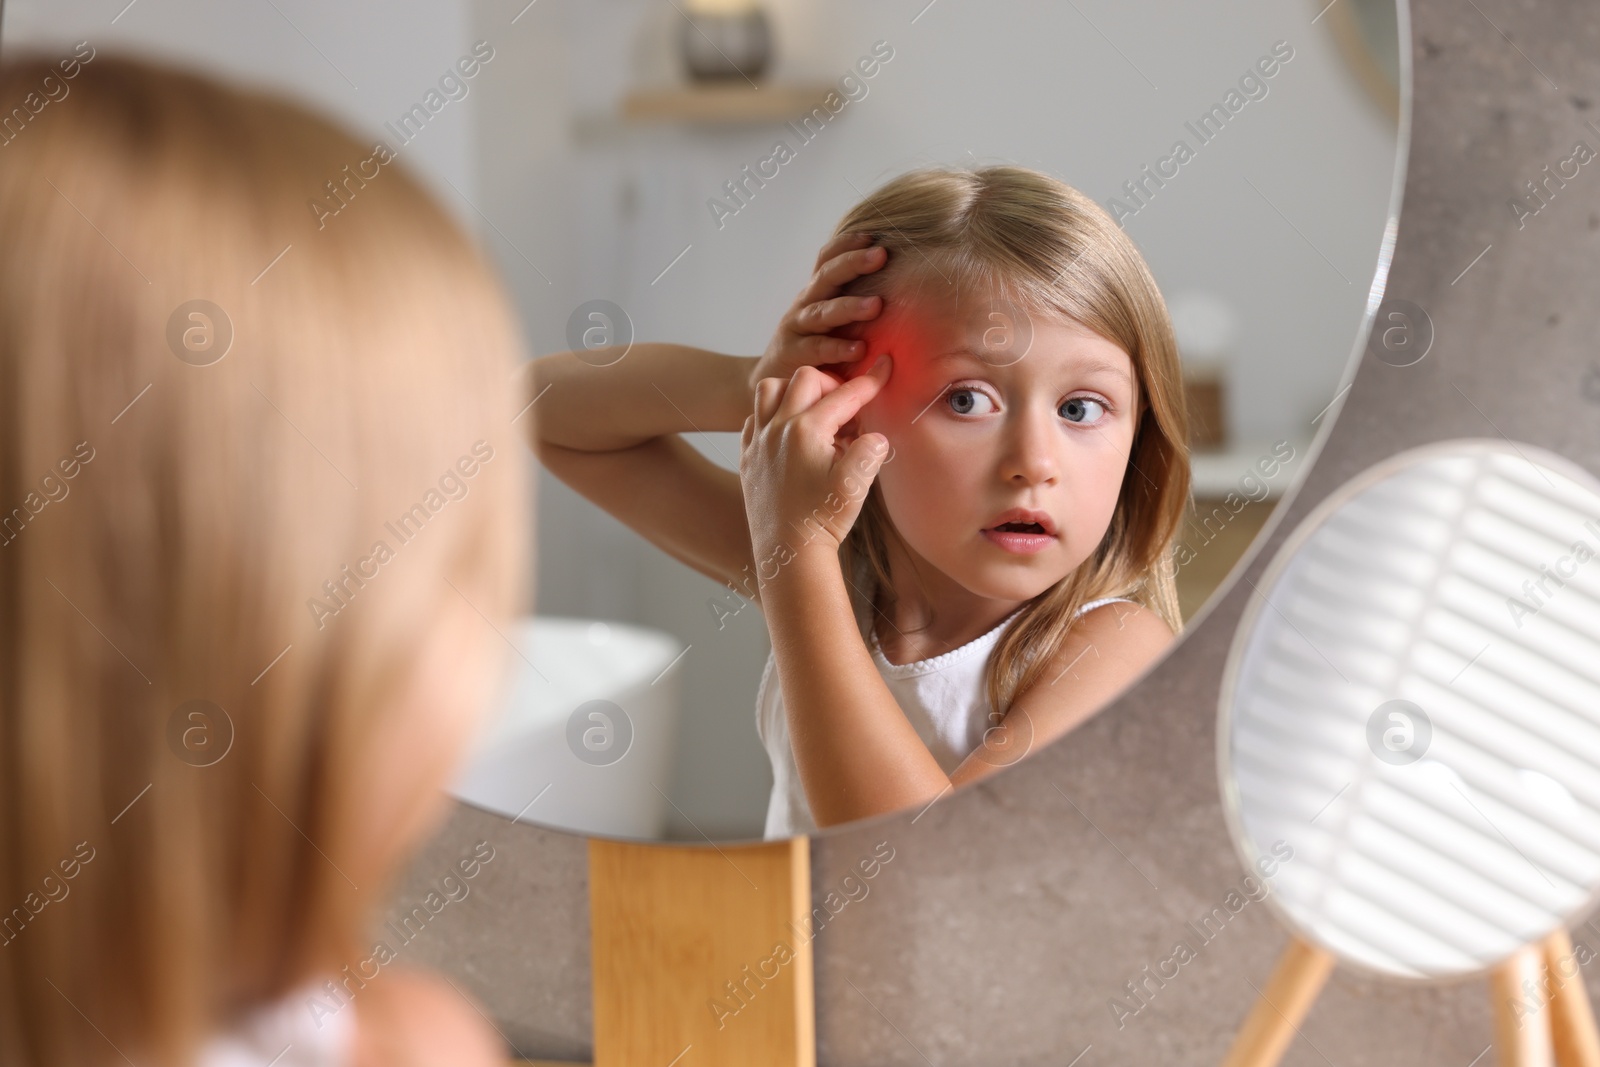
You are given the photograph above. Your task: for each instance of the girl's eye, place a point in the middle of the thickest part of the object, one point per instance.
(1075, 408)
(968, 402)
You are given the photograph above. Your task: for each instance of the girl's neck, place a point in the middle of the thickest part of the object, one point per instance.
(931, 618)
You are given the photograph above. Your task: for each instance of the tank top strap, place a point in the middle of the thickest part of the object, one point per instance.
(1091, 605)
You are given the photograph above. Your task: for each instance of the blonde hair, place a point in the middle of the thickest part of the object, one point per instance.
(1044, 247)
(370, 353)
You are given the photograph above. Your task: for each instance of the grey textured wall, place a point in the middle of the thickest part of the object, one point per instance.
(1015, 910)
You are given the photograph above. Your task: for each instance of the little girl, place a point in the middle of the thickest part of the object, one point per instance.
(962, 543)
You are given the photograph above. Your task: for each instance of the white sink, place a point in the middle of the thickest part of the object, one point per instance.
(586, 774)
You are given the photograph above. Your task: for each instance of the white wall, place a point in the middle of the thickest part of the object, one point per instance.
(363, 62)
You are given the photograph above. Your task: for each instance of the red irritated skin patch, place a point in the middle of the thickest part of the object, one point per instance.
(1010, 433)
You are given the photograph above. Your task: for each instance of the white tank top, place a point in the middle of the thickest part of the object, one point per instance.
(944, 698)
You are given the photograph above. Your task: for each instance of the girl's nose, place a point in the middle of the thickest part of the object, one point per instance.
(1030, 450)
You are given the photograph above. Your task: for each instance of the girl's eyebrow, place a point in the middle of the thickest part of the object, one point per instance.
(1087, 365)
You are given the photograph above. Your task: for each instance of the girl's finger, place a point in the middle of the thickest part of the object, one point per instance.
(841, 270)
(825, 315)
(808, 386)
(830, 404)
(842, 243)
(769, 394)
(861, 460)
(822, 349)
(852, 263)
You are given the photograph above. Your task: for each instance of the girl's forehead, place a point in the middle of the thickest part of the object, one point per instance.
(993, 330)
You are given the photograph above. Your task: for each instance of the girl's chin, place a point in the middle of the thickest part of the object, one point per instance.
(1010, 582)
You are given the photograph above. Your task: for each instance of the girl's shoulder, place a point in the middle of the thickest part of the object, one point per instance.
(1121, 626)
(1125, 637)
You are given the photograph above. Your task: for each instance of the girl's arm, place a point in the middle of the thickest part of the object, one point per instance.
(857, 753)
(608, 421)
(612, 433)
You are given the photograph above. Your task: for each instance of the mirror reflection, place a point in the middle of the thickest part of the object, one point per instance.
(1263, 247)
(1199, 202)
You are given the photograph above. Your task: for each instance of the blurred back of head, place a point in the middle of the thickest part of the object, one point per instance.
(218, 574)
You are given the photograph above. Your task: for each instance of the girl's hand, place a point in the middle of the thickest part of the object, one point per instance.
(801, 340)
(803, 484)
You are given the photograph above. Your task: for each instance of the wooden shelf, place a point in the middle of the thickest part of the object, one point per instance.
(730, 103)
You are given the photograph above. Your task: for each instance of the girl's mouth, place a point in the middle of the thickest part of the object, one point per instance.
(1021, 538)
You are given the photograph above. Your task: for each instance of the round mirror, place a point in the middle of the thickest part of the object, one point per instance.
(650, 173)
(1410, 721)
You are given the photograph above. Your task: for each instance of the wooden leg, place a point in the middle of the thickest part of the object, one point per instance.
(702, 949)
(1521, 1021)
(1301, 972)
(1571, 1015)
